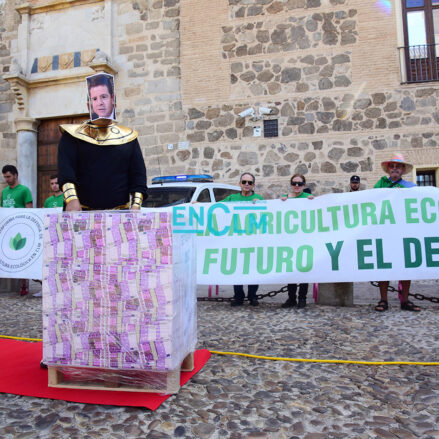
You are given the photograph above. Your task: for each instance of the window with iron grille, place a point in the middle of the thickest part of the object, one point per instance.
(271, 128)
(419, 56)
(426, 178)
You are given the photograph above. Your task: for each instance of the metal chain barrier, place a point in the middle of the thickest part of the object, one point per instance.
(284, 289)
(417, 296)
(229, 299)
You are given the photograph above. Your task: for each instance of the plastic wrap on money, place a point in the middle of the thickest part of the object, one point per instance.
(119, 291)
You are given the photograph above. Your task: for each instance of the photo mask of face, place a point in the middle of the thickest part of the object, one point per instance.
(101, 96)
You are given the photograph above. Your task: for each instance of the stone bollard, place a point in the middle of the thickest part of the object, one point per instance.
(8, 285)
(336, 294)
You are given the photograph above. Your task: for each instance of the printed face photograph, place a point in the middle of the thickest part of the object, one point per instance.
(101, 96)
(101, 101)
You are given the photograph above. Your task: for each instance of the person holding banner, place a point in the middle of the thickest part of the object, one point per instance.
(298, 183)
(247, 184)
(100, 164)
(396, 168)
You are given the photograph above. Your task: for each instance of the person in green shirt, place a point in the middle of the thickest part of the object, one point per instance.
(57, 199)
(247, 193)
(15, 195)
(395, 168)
(298, 183)
(247, 184)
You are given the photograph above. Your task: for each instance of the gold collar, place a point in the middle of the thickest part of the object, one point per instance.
(112, 134)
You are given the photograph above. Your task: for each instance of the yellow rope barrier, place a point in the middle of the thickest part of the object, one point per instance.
(21, 338)
(313, 360)
(297, 360)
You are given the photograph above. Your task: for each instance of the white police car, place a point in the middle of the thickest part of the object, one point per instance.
(179, 189)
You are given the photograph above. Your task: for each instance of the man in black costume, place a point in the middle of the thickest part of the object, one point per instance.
(100, 165)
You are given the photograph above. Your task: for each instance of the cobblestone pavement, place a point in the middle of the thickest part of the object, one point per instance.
(237, 397)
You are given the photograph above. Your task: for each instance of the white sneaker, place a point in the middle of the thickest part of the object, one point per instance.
(39, 294)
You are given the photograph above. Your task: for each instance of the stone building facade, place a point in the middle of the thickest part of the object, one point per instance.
(329, 71)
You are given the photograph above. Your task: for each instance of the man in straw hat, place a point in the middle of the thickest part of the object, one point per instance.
(396, 168)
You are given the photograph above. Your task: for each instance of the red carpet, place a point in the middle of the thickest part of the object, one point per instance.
(20, 374)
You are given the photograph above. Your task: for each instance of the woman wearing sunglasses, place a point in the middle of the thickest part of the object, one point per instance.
(298, 184)
(247, 184)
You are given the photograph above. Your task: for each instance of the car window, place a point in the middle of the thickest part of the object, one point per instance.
(221, 193)
(168, 196)
(204, 196)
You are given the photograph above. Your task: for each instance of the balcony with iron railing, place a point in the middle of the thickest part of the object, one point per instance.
(419, 63)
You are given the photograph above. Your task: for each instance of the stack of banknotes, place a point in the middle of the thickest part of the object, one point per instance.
(119, 291)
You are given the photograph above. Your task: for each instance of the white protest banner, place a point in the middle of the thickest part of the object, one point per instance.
(385, 234)
(21, 242)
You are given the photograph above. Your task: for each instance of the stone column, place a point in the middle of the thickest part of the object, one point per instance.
(26, 128)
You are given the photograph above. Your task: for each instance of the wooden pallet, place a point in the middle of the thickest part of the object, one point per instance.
(84, 378)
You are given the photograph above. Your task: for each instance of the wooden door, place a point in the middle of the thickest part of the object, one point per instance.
(47, 153)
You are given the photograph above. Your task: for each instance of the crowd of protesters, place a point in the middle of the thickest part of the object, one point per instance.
(394, 168)
(16, 195)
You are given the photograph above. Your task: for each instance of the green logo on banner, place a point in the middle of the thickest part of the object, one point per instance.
(17, 243)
